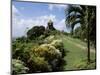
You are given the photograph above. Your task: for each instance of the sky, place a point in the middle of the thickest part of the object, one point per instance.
(25, 15)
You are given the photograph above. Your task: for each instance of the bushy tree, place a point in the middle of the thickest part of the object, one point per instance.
(21, 51)
(36, 31)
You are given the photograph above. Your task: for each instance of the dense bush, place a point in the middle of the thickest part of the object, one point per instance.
(43, 58)
(53, 32)
(21, 51)
(36, 31)
(21, 39)
(18, 67)
(42, 54)
(38, 64)
(52, 52)
(58, 44)
(48, 51)
(49, 39)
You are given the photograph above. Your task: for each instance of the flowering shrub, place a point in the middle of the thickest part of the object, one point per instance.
(38, 55)
(58, 44)
(49, 39)
(38, 64)
(18, 67)
(48, 51)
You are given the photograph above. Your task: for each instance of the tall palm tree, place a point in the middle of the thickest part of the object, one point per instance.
(83, 15)
(75, 14)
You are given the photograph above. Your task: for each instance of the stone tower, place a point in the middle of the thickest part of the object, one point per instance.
(50, 25)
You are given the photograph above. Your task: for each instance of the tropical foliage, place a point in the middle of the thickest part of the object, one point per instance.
(86, 16)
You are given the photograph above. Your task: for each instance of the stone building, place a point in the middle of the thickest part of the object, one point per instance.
(50, 25)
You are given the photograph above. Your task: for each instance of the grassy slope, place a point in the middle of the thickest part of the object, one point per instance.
(76, 54)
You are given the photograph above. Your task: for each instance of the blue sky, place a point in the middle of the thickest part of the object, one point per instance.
(27, 14)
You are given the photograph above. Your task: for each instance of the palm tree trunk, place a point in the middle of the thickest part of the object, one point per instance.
(88, 45)
(72, 31)
(88, 37)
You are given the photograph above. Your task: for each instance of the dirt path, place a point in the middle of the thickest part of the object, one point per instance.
(78, 45)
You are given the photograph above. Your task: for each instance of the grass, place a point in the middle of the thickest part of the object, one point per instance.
(76, 54)
(77, 41)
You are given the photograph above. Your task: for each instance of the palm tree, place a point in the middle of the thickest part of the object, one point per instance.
(74, 15)
(83, 15)
(92, 24)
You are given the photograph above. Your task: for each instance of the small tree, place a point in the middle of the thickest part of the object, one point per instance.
(36, 31)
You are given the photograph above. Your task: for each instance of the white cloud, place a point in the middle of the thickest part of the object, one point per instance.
(42, 20)
(59, 6)
(60, 25)
(19, 25)
(16, 22)
(15, 11)
(50, 7)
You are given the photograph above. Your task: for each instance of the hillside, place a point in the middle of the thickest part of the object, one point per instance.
(77, 54)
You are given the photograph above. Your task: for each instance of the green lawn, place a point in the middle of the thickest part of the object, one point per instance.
(77, 52)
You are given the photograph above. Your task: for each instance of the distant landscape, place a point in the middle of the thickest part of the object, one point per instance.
(64, 42)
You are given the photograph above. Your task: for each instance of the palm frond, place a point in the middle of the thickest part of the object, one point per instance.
(75, 9)
(75, 22)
